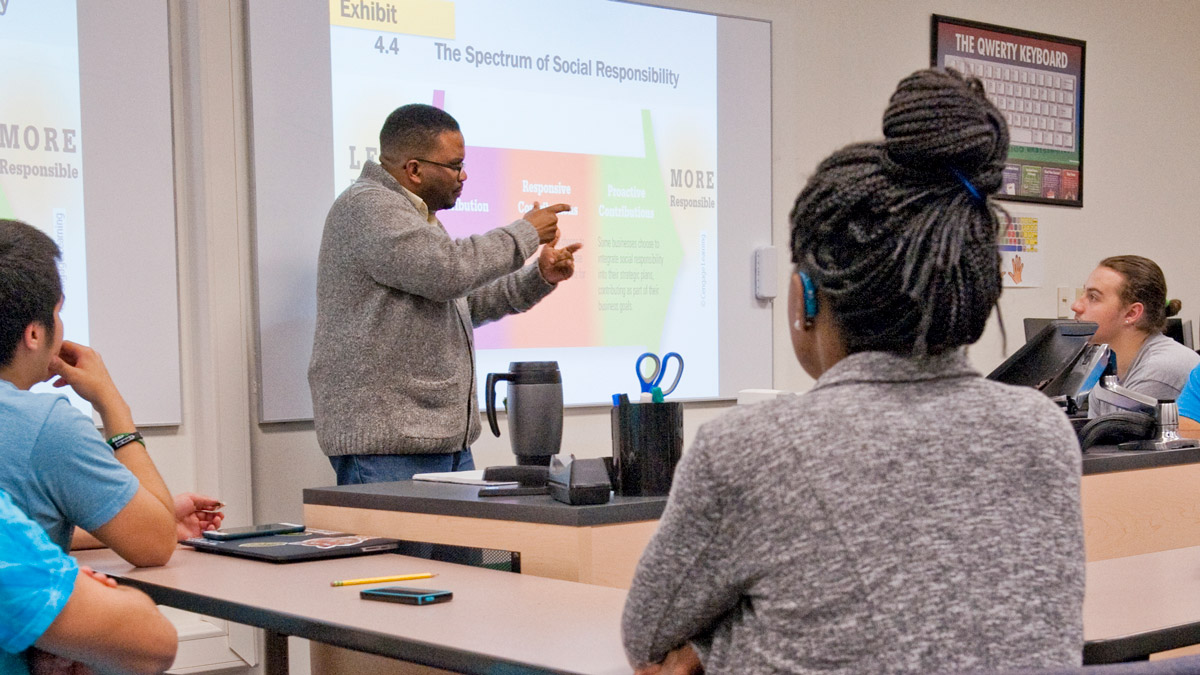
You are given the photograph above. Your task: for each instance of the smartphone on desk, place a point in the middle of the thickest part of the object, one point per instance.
(407, 596)
(252, 531)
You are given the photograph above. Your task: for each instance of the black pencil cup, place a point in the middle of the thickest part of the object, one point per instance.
(647, 444)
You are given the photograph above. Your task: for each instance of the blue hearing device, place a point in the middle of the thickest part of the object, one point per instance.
(810, 298)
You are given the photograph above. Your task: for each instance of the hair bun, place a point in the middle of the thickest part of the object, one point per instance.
(937, 120)
(1173, 306)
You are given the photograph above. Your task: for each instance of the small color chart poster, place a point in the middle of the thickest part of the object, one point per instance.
(1020, 259)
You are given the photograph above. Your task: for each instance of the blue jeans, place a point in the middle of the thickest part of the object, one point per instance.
(359, 469)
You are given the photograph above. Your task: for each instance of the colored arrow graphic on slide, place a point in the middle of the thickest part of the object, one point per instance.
(626, 272)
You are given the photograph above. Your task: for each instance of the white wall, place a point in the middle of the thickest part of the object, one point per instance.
(835, 64)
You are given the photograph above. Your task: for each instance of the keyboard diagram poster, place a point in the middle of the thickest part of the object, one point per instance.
(1036, 81)
(1020, 260)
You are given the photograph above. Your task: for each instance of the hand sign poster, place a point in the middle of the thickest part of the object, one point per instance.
(1020, 259)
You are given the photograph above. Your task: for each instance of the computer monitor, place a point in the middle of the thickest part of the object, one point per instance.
(1180, 331)
(1046, 362)
(1035, 326)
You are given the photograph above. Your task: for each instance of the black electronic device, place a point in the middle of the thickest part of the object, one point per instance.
(514, 491)
(1057, 361)
(579, 482)
(1180, 331)
(1123, 426)
(526, 476)
(531, 480)
(1033, 326)
(407, 596)
(1128, 427)
(295, 546)
(252, 531)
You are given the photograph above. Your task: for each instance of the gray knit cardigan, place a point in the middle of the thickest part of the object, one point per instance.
(393, 362)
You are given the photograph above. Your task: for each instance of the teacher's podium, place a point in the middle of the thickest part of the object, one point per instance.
(598, 544)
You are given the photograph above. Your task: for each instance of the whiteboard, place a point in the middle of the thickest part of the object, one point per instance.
(129, 197)
(294, 167)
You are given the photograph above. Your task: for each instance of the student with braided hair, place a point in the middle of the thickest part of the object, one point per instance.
(1126, 295)
(906, 514)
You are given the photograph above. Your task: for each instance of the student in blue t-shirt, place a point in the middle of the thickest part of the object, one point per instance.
(53, 463)
(47, 601)
(1189, 401)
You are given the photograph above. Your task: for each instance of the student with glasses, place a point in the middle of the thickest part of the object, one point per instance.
(392, 373)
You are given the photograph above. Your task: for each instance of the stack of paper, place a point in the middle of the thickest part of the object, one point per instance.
(463, 478)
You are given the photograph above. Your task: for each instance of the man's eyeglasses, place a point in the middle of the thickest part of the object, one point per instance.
(456, 168)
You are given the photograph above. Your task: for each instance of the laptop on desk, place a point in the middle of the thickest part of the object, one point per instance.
(297, 547)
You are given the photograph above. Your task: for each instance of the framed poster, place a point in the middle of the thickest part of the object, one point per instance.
(1036, 80)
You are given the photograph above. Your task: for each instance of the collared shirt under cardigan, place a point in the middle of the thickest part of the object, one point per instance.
(393, 364)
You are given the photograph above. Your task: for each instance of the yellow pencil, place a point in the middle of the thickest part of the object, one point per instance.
(382, 580)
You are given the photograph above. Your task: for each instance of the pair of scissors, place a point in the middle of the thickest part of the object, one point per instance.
(655, 378)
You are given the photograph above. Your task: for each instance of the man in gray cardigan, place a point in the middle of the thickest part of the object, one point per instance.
(393, 366)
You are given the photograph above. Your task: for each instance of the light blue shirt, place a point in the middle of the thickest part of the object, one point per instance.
(56, 466)
(1189, 398)
(36, 579)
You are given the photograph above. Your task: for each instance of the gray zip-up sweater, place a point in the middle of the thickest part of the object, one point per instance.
(393, 363)
(905, 516)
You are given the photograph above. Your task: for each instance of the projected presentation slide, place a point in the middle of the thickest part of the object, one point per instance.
(653, 124)
(41, 167)
(555, 108)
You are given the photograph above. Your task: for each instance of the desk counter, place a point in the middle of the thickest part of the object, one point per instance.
(1107, 459)
(592, 544)
(450, 499)
(1140, 502)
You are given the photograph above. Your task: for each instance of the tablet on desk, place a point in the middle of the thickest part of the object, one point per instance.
(296, 547)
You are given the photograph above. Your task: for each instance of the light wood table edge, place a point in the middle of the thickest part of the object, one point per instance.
(604, 555)
(1140, 511)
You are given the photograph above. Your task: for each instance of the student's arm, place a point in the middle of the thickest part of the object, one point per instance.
(194, 515)
(140, 533)
(143, 532)
(83, 540)
(684, 582)
(111, 629)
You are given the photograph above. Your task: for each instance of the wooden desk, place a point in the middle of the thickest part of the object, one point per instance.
(1138, 605)
(590, 544)
(1141, 518)
(1134, 606)
(1140, 502)
(497, 621)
